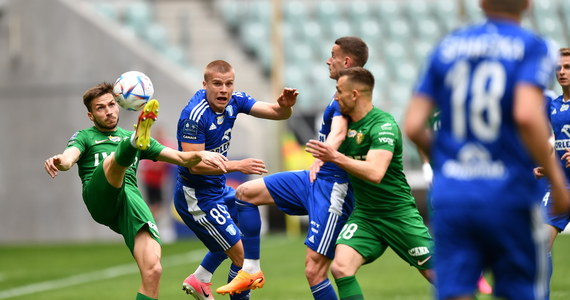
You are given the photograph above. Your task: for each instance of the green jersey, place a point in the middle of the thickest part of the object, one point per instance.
(392, 196)
(96, 145)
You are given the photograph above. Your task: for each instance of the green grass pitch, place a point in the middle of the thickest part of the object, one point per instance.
(107, 271)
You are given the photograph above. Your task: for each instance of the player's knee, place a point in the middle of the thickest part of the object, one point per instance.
(314, 274)
(338, 270)
(152, 271)
(241, 192)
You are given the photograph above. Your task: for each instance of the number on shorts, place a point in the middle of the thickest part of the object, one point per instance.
(348, 231)
(220, 214)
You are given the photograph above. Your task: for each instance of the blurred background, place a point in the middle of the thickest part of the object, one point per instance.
(51, 51)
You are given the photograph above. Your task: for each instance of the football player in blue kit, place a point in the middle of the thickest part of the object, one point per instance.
(323, 192)
(558, 110)
(202, 198)
(487, 80)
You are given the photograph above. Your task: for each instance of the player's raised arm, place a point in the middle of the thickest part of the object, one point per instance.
(247, 166)
(192, 158)
(281, 110)
(372, 169)
(61, 162)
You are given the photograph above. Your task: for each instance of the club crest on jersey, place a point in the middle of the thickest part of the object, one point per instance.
(359, 137)
(351, 133)
(231, 229)
(564, 107)
(220, 119)
(115, 139)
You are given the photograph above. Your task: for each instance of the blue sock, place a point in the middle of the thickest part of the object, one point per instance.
(323, 290)
(212, 260)
(233, 273)
(249, 223)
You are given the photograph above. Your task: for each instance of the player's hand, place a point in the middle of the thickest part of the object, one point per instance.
(288, 97)
(322, 151)
(538, 172)
(51, 165)
(253, 166)
(214, 159)
(566, 156)
(314, 169)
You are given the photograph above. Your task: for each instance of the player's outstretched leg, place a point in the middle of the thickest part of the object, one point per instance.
(243, 282)
(149, 114)
(200, 290)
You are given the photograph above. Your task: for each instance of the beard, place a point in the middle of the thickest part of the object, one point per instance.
(105, 127)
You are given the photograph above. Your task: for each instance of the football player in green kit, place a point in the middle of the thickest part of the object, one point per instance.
(385, 213)
(107, 157)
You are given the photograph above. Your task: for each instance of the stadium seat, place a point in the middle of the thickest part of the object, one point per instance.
(447, 12)
(157, 36)
(107, 9)
(138, 16)
(427, 29)
(388, 11)
(357, 10)
(327, 13)
(295, 11)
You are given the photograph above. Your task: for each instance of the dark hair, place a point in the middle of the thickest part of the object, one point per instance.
(354, 47)
(217, 66)
(359, 75)
(564, 51)
(506, 6)
(95, 92)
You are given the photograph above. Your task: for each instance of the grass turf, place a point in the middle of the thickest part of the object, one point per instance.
(107, 271)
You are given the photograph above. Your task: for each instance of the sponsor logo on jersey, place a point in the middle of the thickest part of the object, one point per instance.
(474, 161)
(386, 140)
(553, 112)
(561, 145)
(213, 126)
(386, 126)
(222, 149)
(100, 141)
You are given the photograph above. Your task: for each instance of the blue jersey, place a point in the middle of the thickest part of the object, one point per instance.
(199, 124)
(559, 114)
(478, 156)
(329, 169)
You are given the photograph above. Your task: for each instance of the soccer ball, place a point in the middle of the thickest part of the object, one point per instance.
(132, 90)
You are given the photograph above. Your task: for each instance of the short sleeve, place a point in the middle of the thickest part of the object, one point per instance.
(383, 136)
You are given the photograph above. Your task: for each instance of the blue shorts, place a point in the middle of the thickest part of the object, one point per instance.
(209, 215)
(509, 242)
(327, 202)
(558, 221)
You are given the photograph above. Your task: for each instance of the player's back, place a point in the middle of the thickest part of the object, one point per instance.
(477, 152)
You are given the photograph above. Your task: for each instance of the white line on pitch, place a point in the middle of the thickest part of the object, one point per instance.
(108, 273)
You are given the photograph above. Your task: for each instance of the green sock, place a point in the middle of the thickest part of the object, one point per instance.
(143, 297)
(125, 153)
(348, 288)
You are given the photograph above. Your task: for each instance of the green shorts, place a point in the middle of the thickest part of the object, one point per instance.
(121, 209)
(407, 235)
